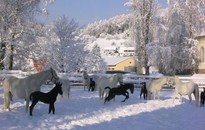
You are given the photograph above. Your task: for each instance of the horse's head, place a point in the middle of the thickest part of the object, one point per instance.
(59, 88)
(165, 80)
(54, 76)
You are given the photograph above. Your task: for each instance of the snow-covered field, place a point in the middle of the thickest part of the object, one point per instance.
(84, 111)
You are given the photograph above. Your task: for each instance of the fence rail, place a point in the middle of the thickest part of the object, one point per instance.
(77, 78)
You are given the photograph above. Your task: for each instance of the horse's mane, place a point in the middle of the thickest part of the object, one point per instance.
(177, 80)
(158, 80)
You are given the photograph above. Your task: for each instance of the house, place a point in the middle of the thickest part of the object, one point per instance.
(126, 51)
(127, 64)
(201, 48)
(110, 50)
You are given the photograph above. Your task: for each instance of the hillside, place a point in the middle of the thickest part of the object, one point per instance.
(113, 26)
(113, 32)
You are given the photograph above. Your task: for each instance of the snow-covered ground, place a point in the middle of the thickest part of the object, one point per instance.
(84, 111)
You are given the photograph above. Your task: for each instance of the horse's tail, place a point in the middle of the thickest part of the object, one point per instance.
(10, 96)
(196, 93)
(107, 87)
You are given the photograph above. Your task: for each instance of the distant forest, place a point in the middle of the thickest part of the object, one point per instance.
(116, 25)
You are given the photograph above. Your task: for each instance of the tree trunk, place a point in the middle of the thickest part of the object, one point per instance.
(11, 58)
(2, 54)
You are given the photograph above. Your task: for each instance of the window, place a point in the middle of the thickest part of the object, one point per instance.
(202, 54)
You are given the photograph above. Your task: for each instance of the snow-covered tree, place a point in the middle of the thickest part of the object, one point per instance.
(94, 62)
(159, 56)
(113, 26)
(17, 21)
(144, 13)
(68, 54)
(175, 30)
(184, 20)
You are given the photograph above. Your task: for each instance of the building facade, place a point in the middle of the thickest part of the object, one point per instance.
(127, 64)
(201, 48)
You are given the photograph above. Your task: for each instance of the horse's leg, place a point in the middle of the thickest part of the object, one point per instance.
(10, 96)
(154, 94)
(145, 95)
(51, 108)
(88, 84)
(180, 98)
(141, 94)
(109, 97)
(201, 102)
(149, 95)
(190, 98)
(68, 91)
(89, 88)
(126, 94)
(104, 95)
(175, 95)
(158, 93)
(34, 102)
(100, 93)
(196, 94)
(27, 104)
(7, 101)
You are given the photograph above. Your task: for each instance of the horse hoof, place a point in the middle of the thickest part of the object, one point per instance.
(7, 109)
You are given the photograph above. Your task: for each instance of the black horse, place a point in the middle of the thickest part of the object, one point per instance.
(48, 98)
(92, 85)
(120, 90)
(143, 91)
(202, 97)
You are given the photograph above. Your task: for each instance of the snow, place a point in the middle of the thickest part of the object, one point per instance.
(105, 44)
(114, 60)
(85, 111)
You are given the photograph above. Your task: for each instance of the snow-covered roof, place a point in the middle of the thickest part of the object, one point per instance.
(122, 49)
(114, 60)
(110, 48)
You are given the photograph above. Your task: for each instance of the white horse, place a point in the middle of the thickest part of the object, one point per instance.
(65, 88)
(103, 82)
(154, 86)
(86, 80)
(186, 88)
(23, 87)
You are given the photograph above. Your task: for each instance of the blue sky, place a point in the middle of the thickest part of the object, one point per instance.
(88, 11)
